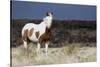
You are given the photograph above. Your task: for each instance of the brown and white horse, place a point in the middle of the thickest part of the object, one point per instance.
(39, 33)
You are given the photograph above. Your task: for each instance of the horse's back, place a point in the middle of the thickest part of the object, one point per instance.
(28, 26)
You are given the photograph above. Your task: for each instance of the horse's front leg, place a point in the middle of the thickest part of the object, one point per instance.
(38, 48)
(46, 48)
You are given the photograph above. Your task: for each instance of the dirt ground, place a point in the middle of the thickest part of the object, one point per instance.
(71, 53)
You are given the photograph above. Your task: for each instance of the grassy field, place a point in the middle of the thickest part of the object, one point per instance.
(72, 41)
(71, 53)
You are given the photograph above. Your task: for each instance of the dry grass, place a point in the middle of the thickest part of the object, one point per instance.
(71, 53)
(71, 49)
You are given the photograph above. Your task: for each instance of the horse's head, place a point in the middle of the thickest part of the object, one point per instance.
(48, 19)
(49, 14)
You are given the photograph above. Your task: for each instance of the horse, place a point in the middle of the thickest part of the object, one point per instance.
(39, 33)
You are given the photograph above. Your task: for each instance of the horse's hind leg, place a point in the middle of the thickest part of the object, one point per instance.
(25, 45)
(25, 40)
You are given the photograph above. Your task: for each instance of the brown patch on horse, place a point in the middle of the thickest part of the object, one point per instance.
(24, 37)
(30, 32)
(37, 34)
(46, 36)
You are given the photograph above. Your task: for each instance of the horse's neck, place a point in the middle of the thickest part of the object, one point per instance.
(48, 21)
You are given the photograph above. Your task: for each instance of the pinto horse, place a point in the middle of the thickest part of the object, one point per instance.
(39, 33)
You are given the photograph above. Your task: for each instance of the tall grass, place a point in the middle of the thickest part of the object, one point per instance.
(71, 48)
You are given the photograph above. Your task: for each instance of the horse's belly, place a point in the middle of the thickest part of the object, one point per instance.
(33, 38)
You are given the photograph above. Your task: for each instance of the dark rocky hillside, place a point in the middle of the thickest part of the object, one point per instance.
(63, 31)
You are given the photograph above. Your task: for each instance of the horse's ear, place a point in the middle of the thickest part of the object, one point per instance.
(52, 13)
(47, 14)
